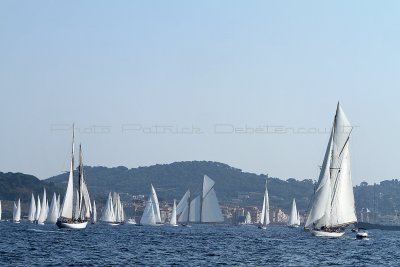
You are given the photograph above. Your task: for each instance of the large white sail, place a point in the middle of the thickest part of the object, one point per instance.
(149, 213)
(195, 210)
(210, 209)
(17, 212)
(248, 218)
(265, 209)
(108, 214)
(43, 211)
(156, 205)
(173, 215)
(293, 218)
(32, 210)
(333, 204)
(53, 211)
(67, 206)
(182, 209)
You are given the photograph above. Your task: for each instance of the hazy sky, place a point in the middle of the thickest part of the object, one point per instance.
(150, 82)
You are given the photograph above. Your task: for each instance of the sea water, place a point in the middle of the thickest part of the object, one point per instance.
(27, 244)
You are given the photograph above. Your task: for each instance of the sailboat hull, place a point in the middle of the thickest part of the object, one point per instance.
(72, 225)
(326, 234)
(293, 226)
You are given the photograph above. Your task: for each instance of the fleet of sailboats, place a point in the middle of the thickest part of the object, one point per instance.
(333, 207)
(331, 211)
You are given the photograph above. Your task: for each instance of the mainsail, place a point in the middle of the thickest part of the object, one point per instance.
(182, 210)
(173, 215)
(32, 210)
(38, 208)
(149, 213)
(265, 209)
(333, 204)
(94, 218)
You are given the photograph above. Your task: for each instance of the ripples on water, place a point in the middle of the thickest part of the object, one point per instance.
(28, 244)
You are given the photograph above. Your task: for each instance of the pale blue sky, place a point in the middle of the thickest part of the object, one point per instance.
(131, 64)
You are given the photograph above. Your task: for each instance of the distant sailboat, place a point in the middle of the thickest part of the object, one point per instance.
(248, 218)
(80, 219)
(38, 208)
(294, 220)
(183, 209)
(118, 209)
(0, 210)
(333, 207)
(53, 211)
(17, 212)
(94, 217)
(203, 208)
(151, 214)
(265, 210)
(32, 210)
(108, 215)
(43, 212)
(173, 215)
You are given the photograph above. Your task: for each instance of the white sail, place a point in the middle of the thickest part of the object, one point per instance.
(154, 199)
(17, 212)
(59, 205)
(77, 210)
(32, 210)
(85, 205)
(173, 215)
(182, 209)
(210, 209)
(94, 218)
(67, 206)
(118, 208)
(298, 218)
(333, 204)
(248, 218)
(43, 211)
(149, 213)
(108, 211)
(53, 211)
(0, 210)
(265, 209)
(38, 208)
(293, 218)
(195, 210)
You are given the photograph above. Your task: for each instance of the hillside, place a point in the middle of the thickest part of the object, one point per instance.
(172, 180)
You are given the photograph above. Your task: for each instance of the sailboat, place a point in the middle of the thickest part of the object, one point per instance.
(108, 215)
(94, 216)
(151, 214)
(173, 215)
(17, 212)
(0, 210)
(38, 208)
(248, 218)
(80, 220)
(333, 206)
(43, 212)
(294, 220)
(118, 209)
(32, 210)
(183, 209)
(265, 210)
(53, 211)
(203, 208)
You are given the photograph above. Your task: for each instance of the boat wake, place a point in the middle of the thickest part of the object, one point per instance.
(45, 231)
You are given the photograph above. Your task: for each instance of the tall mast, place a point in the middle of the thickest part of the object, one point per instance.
(80, 178)
(188, 217)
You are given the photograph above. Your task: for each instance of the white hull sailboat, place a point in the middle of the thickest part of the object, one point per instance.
(32, 210)
(333, 206)
(83, 207)
(113, 213)
(265, 209)
(17, 212)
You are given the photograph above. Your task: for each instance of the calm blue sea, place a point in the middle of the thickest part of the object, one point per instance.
(27, 244)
